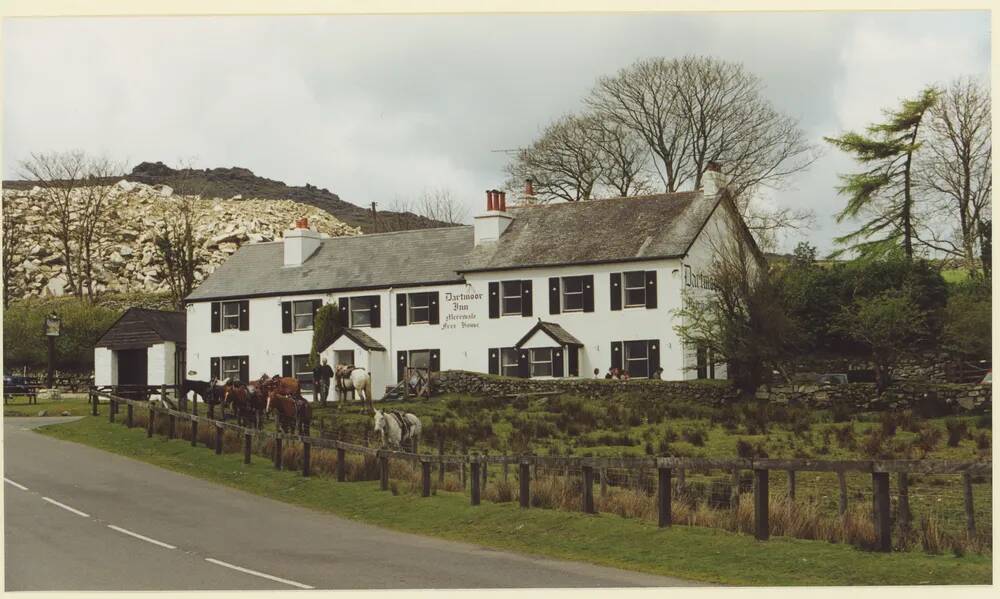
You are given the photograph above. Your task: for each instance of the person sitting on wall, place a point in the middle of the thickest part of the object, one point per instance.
(597, 373)
(624, 375)
(657, 374)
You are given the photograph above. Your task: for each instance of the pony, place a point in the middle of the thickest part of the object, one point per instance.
(395, 428)
(211, 392)
(351, 378)
(247, 402)
(292, 415)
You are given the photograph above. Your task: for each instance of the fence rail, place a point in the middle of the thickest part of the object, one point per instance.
(666, 467)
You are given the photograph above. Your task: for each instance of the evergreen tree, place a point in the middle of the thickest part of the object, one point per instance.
(885, 189)
(326, 327)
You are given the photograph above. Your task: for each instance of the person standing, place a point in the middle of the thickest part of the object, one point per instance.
(325, 374)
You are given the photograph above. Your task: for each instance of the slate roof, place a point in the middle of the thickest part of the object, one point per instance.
(398, 259)
(358, 336)
(559, 334)
(140, 327)
(599, 231)
(614, 230)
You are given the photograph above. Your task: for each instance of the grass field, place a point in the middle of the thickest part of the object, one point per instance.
(75, 404)
(690, 552)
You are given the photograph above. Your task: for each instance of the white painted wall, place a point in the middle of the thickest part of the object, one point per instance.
(160, 363)
(105, 371)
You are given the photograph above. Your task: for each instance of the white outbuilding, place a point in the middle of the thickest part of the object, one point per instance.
(143, 347)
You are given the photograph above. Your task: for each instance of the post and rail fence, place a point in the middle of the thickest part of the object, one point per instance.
(667, 468)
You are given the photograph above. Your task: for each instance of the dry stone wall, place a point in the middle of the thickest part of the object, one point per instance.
(128, 257)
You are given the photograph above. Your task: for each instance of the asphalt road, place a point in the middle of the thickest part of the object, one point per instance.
(195, 534)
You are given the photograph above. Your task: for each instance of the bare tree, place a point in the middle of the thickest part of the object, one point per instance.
(441, 205)
(956, 169)
(564, 162)
(624, 157)
(177, 242)
(15, 240)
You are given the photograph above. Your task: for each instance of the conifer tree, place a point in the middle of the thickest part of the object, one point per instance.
(885, 190)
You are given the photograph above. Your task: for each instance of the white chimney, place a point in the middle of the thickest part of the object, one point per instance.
(490, 226)
(712, 181)
(300, 243)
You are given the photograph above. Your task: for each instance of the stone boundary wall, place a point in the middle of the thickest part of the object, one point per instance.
(931, 399)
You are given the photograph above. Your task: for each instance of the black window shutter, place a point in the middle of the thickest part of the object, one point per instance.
(286, 366)
(495, 299)
(650, 288)
(435, 310)
(244, 369)
(588, 293)
(215, 368)
(523, 365)
(525, 298)
(494, 360)
(557, 362)
(286, 317)
(216, 317)
(553, 295)
(345, 315)
(435, 361)
(616, 291)
(616, 354)
(401, 310)
(245, 315)
(573, 360)
(400, 365)
(376, 312)
(654, 355)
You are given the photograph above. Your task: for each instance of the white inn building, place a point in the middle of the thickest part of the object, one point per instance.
(557, 290)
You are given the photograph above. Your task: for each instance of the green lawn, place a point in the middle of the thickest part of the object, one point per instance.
(686, 552)
(75, 404)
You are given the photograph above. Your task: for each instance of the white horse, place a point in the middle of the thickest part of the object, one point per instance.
(349, 378)
(396, 428)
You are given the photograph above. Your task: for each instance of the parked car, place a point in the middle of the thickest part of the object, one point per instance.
(988, 379)
(832, 379)
(15, 384)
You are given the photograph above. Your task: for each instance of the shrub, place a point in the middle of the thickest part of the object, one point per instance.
(873, 444)
(695, 436)
(889, 422)
(985, 421)
(957, 430)
(83, 324)
(841, 412)
(746, 450)
(927, 439)
(845, 436)
(983, 440)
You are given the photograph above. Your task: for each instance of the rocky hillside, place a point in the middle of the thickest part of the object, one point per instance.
(238, 183)
(129, 260)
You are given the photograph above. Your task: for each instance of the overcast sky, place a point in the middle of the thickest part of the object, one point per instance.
(376, 108)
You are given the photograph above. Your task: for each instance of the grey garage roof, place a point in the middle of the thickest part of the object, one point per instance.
(598, 231)
(399, 259)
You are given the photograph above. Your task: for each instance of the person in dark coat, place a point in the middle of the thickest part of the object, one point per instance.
(322, 375)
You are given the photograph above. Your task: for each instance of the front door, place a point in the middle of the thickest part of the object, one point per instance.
(132, 367)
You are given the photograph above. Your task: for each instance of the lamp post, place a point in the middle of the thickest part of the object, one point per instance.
(52, 326)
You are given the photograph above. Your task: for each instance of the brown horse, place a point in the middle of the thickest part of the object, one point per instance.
(247, 401)
(292, 415)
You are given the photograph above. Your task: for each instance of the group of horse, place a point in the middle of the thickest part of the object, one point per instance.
(252, 401)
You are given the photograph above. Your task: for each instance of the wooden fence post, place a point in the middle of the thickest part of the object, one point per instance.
(734, 495)
(277, 453)
(970, 514)
(341, 467)
(663, 495)
(680, 481)
(441, 463)
(880, 501)
(762, 529)
(150, 422)
(474, 486)
(194, 432)
(247, 445)
(903, 510)
(842, 480)
(383, 466)
(485, 475)
(93, 400)
(128, 416)
(425, 479)
(306, 447)
(588, 490)
(163, 395)
(524, 477)
(791, 484)
(505, 471)
(173, 426)
(604, 483)
(218, 440)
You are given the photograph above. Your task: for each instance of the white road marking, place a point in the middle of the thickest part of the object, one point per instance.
(256, 573)
(66, 507)
(140, 537)
(22, 487)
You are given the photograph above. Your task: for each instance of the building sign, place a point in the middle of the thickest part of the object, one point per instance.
(461, 313)
(52, 323)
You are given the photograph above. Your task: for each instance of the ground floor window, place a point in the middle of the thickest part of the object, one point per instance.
(637, 359)
(541, 361)
(705, 363)
(301, 370)
(420, 358)
(509, 361)
(230, 368)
